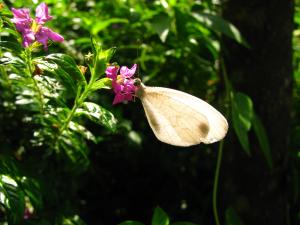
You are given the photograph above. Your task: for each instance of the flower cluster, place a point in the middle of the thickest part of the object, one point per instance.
(33, 29)
(123, 84)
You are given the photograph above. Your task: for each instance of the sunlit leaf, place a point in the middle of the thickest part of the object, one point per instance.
(82, 130)
(98, 115)
(12, 198)
(101, 83)
(160, 217)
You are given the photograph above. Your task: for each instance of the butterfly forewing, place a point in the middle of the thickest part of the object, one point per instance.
(181, 119)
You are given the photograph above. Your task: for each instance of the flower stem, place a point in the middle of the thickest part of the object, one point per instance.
(216, 182)
(35, 84)
(81, 96)
(228, 90)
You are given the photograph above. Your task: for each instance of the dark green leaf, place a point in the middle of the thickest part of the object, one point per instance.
(98, 115)
(263, 140)
(218, 24)
(161, 24)
(75, 220)
(59, 73)
(10, 45)
(12, 198)
(131, 222)
(242, 113)
(160, 217)
(68, 64)
(232, 218)
(183, 223)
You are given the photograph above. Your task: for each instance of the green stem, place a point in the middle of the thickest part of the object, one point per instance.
(228, 89)
(35, 84)
(77, 103)
(216, 182)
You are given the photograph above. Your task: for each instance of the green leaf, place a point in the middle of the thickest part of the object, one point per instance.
(50, 68)
(242, 114)
(75, 220)
(183, 223)
(12, 46)
(32, 189)
(102, 58)
(102, 83)
(232, 218)
(96, 25)
(218, 24)
(98, 115)
(161, 24)
(160, 217)
(68, 64)
(131, 222)
(263, 140)
(12, 198)
(82, 130)
(76, 150)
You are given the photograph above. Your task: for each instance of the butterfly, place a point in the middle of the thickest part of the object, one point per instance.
(180, 119)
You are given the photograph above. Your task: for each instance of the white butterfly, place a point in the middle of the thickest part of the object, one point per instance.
(181, 119)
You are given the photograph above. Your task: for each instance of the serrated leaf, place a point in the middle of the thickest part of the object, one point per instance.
(232, 217)
(263, 140)
(160, 217)
(242, 113)
(98, 115)
(218, 24)
(161, 24)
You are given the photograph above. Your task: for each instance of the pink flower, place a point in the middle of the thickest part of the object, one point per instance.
(33, 30)
(123, 84)
(41, 14)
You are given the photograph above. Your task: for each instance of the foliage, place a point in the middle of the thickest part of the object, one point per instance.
(61, 139)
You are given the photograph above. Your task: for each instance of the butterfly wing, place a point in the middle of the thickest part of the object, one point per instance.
(180, 119)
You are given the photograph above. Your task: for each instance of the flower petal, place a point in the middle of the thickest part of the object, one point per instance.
(42, 14)
(28, 37)
(21, 19)
(54, 36)
(126, 72)
(46, 33)
(118, 98)
(112, 72)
